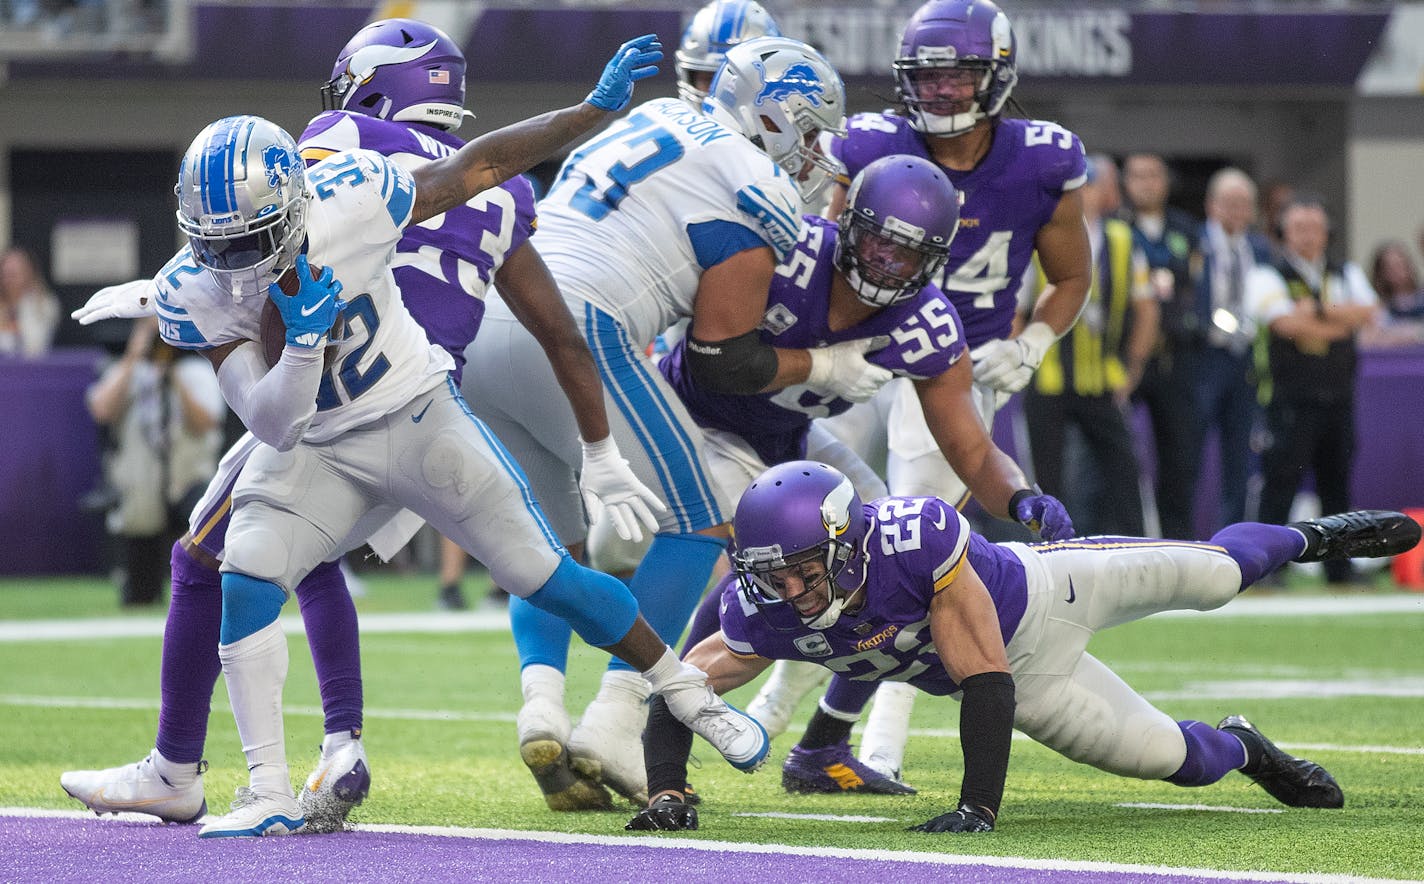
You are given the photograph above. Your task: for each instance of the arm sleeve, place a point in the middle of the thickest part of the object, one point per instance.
(986, 726)
(276, 404)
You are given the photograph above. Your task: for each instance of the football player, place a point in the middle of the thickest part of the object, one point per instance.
(397, 87)
(955, 73)
(669, 214)
(901, 589)
(254, 218)
(869, 275)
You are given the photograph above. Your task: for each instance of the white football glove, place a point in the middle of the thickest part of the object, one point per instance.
(609, 487)
(127, 300)
(1008, 365)
(841, 369)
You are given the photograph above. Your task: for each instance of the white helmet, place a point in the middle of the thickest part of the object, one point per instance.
(242, 202)
(715, 28)
(783, 95)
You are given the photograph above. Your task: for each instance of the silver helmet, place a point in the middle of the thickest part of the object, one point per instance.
(715, 28)
(242, 202)
(783, 95)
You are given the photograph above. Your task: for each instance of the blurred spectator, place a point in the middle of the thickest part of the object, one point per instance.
(1220, 361)
(1167, 236)
(1274, 197)
(165, 413)
(1087, 376)
(1312, 308)
(1396, 281)
(29, 312)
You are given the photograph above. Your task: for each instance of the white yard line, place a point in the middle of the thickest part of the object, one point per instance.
(498, 621)
(1150, 805)
(670, 842)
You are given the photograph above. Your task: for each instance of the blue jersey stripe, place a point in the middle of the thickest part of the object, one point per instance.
(511, 466)
(641, 400)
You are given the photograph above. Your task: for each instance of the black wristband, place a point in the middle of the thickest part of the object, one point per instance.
(1020, 495)
(986, 727)
(666, 744)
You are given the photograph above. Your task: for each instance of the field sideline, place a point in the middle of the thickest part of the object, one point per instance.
(1337, 678)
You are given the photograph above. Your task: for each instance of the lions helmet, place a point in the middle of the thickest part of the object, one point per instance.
(801, 520)
(242, 201)
(972, 36)
(715, 28)
(783, 95)
(901, 214)
(400, 69)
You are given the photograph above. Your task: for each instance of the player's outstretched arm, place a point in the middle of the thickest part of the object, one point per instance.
(497, 156)
(607, 483)
(965, 628)
(127, 300)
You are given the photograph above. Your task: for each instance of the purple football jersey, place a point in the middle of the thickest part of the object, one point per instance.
(925, 335)
(443, 265)
(916, 546)
(1008, 196)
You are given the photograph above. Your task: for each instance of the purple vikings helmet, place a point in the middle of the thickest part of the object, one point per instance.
(901, 215)
(400, 69)
(791, 516)
(959, 35)
(242, 202)
(715, 28)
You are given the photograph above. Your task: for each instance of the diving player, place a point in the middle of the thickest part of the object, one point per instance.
(900, 589)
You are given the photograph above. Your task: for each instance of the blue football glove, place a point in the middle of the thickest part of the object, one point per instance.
(635, 60)
(1043, 514)
(312, 311)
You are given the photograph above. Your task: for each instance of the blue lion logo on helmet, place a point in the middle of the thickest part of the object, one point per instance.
(278, 162)
(797, 79)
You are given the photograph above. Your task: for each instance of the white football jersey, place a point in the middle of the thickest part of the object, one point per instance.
(360, 201)
(625, 227)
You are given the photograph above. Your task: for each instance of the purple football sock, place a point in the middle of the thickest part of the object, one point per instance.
(848, 696)
(330, 618)
(1211, 755)
(190, 666)
(706, 621)
(1259, 548)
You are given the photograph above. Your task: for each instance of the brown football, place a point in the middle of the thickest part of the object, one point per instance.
(274, 330)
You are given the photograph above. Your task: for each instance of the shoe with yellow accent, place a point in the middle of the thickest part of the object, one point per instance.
(835, 769)
(340, 782)
(139, 788)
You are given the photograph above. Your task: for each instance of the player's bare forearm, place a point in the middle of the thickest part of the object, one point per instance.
(533, 297)
(1067, 261)
(497, 156)
(725, 671)
(953, 418)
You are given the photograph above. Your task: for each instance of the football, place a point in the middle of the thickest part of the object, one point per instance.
(274, 330)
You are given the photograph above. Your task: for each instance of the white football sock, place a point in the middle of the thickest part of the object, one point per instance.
(887, 728)
(255, 668)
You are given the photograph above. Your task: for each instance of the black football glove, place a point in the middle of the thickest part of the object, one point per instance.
(667, 813)
(966, 819)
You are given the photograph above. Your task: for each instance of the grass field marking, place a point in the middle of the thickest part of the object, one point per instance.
(1288, 689)
(1151, 805)
(821, 817)
(498, 620)
(39, 701)
(670, 842)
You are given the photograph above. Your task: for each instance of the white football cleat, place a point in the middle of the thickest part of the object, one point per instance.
(340, 781)
(138, 788)
(255, 814)
(607, 745)
(789, 683)
(740, 738)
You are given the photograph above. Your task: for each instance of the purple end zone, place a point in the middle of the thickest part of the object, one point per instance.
(56, 850)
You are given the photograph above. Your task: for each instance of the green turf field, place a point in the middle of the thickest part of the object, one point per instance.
(1344, 689)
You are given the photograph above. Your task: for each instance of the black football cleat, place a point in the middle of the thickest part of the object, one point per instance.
(1292, 781)
(1368, 534)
